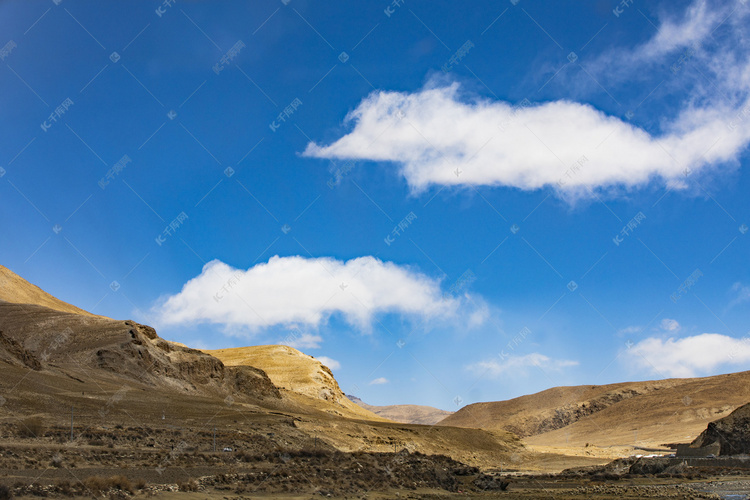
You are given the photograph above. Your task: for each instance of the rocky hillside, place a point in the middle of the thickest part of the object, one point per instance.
(631, 413)
(731, 432)
(407, 414)
(298, 373)
(41, 338)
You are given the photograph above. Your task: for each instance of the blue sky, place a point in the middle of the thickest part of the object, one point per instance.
(446, 204)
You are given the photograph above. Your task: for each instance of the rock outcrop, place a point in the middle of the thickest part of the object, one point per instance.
(297, 373)
(732, 433)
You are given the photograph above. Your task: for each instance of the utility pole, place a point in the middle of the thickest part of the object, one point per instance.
(71, 423)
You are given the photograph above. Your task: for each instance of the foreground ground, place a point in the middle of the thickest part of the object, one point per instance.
(47, 466)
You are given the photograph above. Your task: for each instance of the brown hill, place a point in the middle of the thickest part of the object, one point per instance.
(296, 372)
(408, 414)
(731, 432)
(17, 290)
(626, 414)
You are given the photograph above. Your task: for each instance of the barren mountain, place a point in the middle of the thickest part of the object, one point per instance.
(631, 413)
(296, 372)
(408, 414)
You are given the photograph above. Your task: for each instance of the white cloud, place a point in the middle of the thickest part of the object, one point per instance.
(304, 341)
(689, 356)
(514, 365)
(288, 290)
(570, 146)
(330, 363)
(440, 137)
(669, 325)
(379, 381)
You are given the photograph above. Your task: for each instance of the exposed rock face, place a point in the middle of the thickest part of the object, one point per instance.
(14, 352)
(731, 432)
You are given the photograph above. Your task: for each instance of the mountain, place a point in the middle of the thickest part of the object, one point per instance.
(731, 432)
(123, 385)
(17, 290)
(73, 344)
(297, 373)
(407, 414)
(632, 413)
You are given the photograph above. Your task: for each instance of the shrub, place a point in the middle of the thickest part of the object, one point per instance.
(64, 487)
(189, 486)
(31, 427)
(121, 483)
(97, 485)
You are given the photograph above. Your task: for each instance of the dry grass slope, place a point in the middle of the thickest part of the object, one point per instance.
(626, 414)
(298, 373)
(17, 290)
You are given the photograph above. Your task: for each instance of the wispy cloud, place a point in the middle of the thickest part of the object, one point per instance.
(379, 381)
(630, 330)
(690, 29)
(741, 295)
(304, 341)
(519, 365)
(669, 325)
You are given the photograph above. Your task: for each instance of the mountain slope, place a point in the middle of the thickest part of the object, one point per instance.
(298, 373)
(17, 290)
(44, 339)
(407, 414)
(631, 413)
